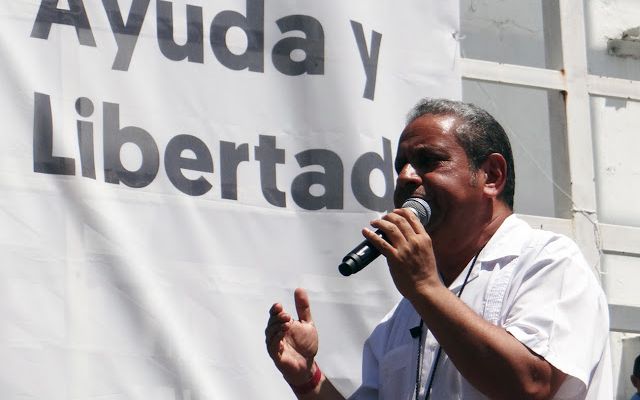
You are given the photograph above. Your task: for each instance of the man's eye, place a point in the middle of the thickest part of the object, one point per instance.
(425, 164)
(420, 164)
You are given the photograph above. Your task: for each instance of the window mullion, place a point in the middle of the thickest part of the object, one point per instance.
(579, 137)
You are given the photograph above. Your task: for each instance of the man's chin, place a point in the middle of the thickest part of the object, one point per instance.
(434, 227)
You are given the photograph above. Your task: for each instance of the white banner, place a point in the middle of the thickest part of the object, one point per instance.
(169, 169)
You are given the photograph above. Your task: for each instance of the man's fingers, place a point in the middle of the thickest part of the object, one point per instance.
(276, 345)
(412, 219)
(275, 309)
(393, 237)
(385, 248)
(397, 226)
(401, 218)
(278, 322)
(388, 227)
(302, 305)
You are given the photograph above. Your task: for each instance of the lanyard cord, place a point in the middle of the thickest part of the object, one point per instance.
(436, 362)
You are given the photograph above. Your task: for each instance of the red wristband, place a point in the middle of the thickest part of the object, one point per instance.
(310, 384)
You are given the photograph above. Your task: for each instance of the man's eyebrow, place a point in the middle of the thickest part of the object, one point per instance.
(430, 150)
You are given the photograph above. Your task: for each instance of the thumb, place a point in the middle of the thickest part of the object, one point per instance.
(302, 305)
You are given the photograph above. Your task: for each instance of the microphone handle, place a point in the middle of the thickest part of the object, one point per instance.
(359, 257)
(365, 252)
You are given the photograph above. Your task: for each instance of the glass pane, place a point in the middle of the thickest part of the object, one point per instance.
(604, 20)
(619, 282)
(507, 31)
(615, 138)
(540, 158)
(628, 348)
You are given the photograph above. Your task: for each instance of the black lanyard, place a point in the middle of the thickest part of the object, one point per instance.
(436, 362)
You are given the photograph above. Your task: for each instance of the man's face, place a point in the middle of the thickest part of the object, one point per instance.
(432, 165)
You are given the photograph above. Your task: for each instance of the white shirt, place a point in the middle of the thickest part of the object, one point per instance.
(533, 283)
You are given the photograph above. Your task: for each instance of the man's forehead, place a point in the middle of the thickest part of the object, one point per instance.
(429, 125)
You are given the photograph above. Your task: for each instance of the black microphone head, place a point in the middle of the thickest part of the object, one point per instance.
(420, 208)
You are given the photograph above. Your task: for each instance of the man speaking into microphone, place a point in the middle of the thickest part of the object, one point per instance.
(491, 308)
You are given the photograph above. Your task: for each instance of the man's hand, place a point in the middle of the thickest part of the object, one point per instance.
(408, 250)
(292, 344)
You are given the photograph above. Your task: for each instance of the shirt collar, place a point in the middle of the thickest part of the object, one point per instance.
(506, 243)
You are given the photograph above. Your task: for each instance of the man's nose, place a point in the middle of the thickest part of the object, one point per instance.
(408, 175)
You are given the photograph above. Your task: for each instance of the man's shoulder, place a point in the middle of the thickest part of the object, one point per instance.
(531, 251)
(538, 239)
(515, 238)
(553, 256)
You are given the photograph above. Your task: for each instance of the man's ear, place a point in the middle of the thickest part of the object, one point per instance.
(635, 381)
(494, 169)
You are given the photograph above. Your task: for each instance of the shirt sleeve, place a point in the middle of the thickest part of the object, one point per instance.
(559, 311)
(386, 357)
(368, 389)
(371, 354)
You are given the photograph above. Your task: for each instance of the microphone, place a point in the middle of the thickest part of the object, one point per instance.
(365, 252)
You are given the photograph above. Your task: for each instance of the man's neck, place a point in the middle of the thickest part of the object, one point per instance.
(452, 261)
